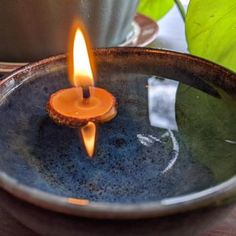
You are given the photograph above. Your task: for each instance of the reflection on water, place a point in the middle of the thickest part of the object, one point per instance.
(161, 102)
(150, 140)
(230, 141)
(204, 121)
(161, 106)
(175, 151)
(207, 125)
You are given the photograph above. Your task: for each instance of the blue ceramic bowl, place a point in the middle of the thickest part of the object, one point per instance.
(171, 148)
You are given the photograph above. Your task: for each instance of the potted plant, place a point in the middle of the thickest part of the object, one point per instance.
(210, 27)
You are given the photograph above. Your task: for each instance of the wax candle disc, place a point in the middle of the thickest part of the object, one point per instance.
(68, 107)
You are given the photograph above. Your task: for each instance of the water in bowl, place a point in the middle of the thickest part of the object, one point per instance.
(169, 139)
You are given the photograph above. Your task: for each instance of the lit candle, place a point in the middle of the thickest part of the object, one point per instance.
(83, 105)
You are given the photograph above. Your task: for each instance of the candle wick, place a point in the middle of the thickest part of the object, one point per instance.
(86, 92)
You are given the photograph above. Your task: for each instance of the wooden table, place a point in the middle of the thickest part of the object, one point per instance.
(171, 36)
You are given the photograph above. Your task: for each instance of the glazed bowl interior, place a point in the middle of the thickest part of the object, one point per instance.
(172, 145)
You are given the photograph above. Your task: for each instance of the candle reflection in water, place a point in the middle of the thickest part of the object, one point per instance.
(161, 106)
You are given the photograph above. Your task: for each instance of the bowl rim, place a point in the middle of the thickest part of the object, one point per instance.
(212, 196)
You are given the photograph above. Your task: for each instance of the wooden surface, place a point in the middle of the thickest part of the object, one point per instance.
(11, 227)
(171, 36)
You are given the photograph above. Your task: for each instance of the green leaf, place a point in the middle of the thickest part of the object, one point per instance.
(211, 30)
(155, 8)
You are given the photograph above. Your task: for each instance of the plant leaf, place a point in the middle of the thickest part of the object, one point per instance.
(155, 8)
(211, 30)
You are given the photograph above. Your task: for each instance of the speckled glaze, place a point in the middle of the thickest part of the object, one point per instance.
(45, 164)
(45, 222)
(32, 30)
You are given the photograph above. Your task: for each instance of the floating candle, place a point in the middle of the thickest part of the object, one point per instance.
(83, 105)
(68, 107)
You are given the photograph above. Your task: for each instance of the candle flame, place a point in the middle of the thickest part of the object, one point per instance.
(88, 133)
(80, 58)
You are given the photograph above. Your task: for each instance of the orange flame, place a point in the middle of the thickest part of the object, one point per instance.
(88, 133)
(78, 201)
(80, 71)
(80, 58)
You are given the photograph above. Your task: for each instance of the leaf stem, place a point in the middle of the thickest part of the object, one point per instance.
(181, 9)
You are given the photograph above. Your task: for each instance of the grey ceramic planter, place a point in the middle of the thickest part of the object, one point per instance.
(31, 30)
